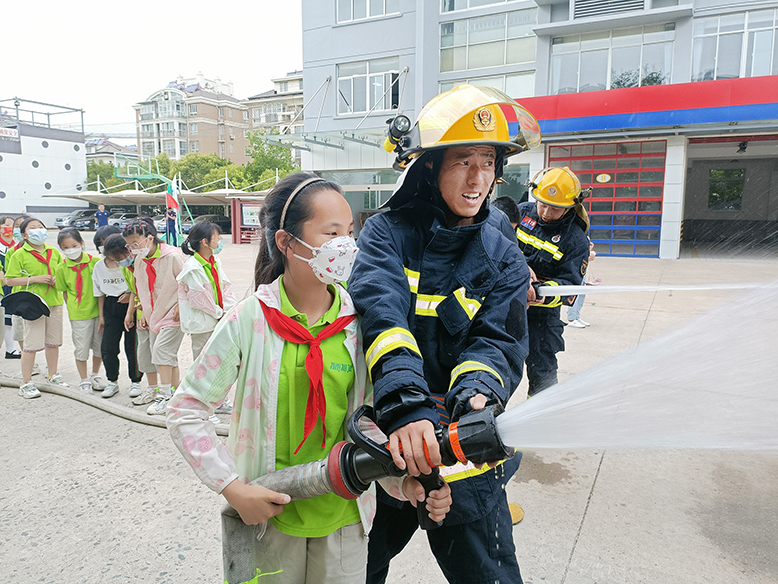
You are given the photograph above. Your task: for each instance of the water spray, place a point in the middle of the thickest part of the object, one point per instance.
(351, 467)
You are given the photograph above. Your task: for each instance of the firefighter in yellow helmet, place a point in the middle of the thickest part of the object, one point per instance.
(442, 289)
(552, 236)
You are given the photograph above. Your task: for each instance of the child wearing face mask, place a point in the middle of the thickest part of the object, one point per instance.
(204, 291)
(156, 268)
(32, 267)
(294, 348)
(134, 315)
(15, 322)
(113, 298)
(74, 280)
(7, 243)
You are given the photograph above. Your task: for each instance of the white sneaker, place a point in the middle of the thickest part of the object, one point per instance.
(56, 379)
(29, 391)
(97, 382)
(147, 396)
(135, 390)
(111, 389)
(36, 369)
(159, 407)
(583, 322)
(86, 387)
(576, 324)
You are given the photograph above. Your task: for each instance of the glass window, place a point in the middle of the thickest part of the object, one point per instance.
(657, 62)
(522, 85)
(520, 50)
(725, 189)
(625, 67)
(193, 109)
(373, 79)
(182, 148)
(628, 163)
(728, 59)
(654, 146)
(564, 73)
(169, 147)
(760, 19)
(703, 59)
(451, 5)
(628, 57)
(732, 22)
(629, 192)
(760, 46)
(487, 28)
(194, 146)
(481, 42)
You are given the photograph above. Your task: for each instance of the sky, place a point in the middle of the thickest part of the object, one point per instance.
(103, 57)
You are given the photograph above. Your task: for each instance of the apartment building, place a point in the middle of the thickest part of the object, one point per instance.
(193, 115)
(667, 109)
(278, 110)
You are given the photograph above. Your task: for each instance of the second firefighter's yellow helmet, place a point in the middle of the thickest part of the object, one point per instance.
(463, 116)
(557, 187)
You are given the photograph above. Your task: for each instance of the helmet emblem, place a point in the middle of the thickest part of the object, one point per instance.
(551, 191)
(556, 238)
(483, 120)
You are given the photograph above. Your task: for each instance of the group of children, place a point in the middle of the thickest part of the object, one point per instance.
(141, 288)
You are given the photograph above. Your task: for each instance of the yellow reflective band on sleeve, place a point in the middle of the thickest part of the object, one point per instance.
(555, 301)
(461, 471)
(471, 306)
(427, 304)
(539, 244)
(387, 341)
(469, 366)
(413, 279)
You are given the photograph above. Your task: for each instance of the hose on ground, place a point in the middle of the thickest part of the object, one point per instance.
(138, 416)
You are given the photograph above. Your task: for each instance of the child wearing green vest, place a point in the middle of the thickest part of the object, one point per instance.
(74, 280)
(32, 267)
(294, 348)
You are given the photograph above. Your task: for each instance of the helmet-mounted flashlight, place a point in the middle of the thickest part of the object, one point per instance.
(398, 127)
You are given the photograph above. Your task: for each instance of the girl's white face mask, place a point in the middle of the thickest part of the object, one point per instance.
(73, 253)
(333, 261)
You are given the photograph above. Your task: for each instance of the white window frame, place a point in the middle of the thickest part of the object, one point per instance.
(467, 44)
(745, 31)
(194, 146)
(492, 3)
(246, 116)
(609, 47)
(391, 76)
(193, 129)
(192, 109)
(446, 85)
(367, 11)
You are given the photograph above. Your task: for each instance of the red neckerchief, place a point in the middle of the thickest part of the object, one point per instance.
(215, 274)
(19, 245)
(151, 273)
(41, 259)
(79, 278)
(9, 244)
(294, 332)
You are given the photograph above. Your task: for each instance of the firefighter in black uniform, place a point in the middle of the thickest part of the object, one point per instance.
(552, 236)
(442, 289)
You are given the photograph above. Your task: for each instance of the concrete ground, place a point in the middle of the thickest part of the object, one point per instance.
(86, 497)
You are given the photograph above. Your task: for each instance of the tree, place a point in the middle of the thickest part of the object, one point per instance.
(105, 170)
(195, 168)
(236, 174)
(266, 156)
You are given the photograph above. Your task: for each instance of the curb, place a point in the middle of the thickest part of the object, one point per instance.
(102, 404)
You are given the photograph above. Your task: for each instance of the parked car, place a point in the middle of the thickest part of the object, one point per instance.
(85, 223)
(220, 220)
(159, 223)
(121, 219)
(67, 221)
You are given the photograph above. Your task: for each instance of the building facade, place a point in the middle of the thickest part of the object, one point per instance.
(667, 109)
(193, 115)
(279, 110)
(39, 161)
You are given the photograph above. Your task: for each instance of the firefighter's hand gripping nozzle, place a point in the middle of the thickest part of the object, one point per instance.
(349, 469)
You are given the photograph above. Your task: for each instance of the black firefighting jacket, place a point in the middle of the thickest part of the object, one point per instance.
(444, 312)
(558, 252)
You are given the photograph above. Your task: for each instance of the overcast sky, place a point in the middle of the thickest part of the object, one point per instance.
(103, 57)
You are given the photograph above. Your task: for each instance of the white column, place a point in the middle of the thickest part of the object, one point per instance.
(673, 198)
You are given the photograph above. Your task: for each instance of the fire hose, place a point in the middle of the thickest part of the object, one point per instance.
(350, 468)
